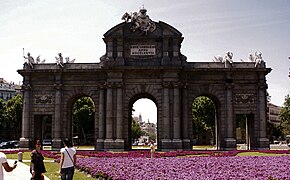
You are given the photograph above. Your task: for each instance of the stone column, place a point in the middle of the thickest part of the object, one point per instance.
(177, 143)
(56, 141)
(25, 140)
(185, 127)
(109, 118)
(262, 140)
(166, 139)
(119, 141)
(101, 123)
(229, 140)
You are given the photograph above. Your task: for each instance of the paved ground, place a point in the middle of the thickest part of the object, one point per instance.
(20, 172)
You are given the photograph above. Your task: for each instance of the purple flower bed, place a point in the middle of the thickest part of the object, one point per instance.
(251, 167)
(180, 164)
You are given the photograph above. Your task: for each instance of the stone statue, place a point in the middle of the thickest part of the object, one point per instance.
(251, 57)
(59, 60)
(126, 17)
(218, 58)
(258, 58)
(30, 60)
(39, 61)
(69, 61)
(228, 58)
(140, 21)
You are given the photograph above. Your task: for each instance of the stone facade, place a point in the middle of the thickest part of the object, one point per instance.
(140, 64)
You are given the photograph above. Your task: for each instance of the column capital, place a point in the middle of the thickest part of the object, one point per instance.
(166, 84)
(229, 86)
(113, 84)
(57, 86)
(262, 86)
(177, 84)
(26, 87)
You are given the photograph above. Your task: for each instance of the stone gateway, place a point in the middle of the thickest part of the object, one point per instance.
(143, 60)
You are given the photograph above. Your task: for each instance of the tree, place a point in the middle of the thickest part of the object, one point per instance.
(203, 113)
(83, 116)
(13, 111)
(11, 114)
(285, 115)
(136, 131)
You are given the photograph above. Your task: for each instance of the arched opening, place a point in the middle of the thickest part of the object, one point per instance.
(143, 123)
(204, 123)
(83, 115)
(243, 130)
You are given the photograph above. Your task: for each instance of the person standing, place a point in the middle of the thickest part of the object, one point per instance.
(5, 165)
(152, 149)
(37, 167)
(67, 160)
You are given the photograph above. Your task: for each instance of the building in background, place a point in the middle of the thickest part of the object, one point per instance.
(147, 127)
(8, 90)
(273, 113)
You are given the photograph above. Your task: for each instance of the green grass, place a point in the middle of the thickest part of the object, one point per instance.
(52, 168)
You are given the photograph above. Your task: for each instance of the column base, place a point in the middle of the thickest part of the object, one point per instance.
(262, 144)
(177, 144)
(99, 145)
(56, 144)
(25, 143)
(114, 145)
(119, 145)
(186, 144)
(165, 144)
(230, 144)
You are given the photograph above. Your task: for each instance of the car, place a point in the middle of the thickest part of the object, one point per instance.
(46, 142)
(9, 144)
(3, 144)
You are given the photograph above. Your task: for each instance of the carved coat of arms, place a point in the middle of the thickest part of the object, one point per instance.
(140, 21)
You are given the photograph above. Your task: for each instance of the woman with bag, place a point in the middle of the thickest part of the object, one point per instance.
(37, 166)
(67, 160)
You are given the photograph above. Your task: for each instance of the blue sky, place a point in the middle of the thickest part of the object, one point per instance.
(209, 27)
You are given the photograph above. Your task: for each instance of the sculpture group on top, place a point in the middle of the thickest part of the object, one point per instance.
(30, 60)
(228, 58)
(59, 60)
(140, 21)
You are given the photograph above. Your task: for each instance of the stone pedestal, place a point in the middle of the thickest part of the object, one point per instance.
(99, 144)
(114, 145)
(230, 144)
(166, 144)
(109, 144)
(56, 144)
(177, 144)
(25, 143)
(119, 144)
(263, 144)
(186, 144)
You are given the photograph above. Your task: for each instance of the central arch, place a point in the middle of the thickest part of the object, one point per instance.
(131, 103)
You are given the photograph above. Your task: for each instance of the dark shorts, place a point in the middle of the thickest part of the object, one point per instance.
(67, 173)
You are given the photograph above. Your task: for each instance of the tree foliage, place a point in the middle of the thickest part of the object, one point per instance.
(11, 115)
(203, 113)
(13, 111)
(136, 131)
(83, 116)
(285, 115)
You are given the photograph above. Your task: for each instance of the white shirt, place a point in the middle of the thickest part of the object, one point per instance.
(3, 159)
(67, 161)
